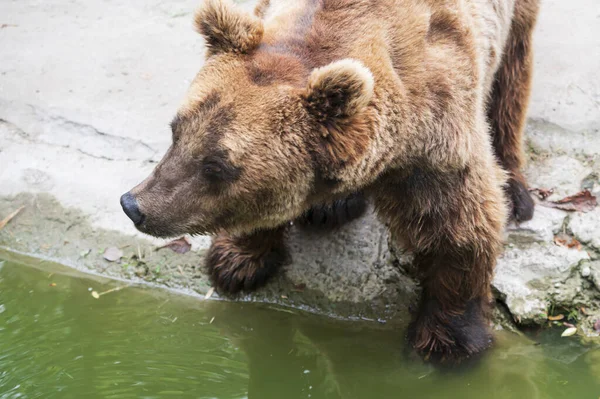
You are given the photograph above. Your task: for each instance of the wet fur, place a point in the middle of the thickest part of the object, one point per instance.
(450, 339)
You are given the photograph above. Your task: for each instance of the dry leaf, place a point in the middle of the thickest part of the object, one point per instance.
(211, 320)
(95, 295)
(569, 332)
(556, 318)
(542, 193)
(210, 292)
(299, 287)
(7, 219)
(180, 245)
(564, 240)
(583, 201)
(113, 254)
(52, 284)
(561, 242)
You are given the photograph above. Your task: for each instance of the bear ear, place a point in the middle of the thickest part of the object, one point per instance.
(227, 29)
(339, 90)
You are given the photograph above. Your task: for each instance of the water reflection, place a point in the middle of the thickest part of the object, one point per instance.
(301, 357)
(56, 341)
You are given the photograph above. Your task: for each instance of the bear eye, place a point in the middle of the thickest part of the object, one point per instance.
(212, 170)
(216, 169)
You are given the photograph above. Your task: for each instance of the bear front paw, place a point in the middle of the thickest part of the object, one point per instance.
(450, 338)
(336, 214)
(234, 265)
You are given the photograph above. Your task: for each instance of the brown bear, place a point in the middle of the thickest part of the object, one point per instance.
(306, 106)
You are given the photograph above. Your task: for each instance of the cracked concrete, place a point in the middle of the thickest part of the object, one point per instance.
(58, 131)
(87, 90)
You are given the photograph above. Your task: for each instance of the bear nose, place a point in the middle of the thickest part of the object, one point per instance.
(131, 208)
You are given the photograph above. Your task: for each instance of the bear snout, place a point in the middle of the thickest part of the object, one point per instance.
(131, 208)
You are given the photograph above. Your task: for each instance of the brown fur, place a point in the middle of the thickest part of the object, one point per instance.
(452, 222)
(508, 105)
(261, 8)
(247, 262)
(303, 105)
(227, 30)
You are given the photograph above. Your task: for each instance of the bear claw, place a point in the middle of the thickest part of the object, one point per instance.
(334, 215)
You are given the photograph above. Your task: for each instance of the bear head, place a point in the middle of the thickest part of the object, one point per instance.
(259, 138)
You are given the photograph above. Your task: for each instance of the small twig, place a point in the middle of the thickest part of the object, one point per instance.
(98, 295)
(115, 289)
(7, 219)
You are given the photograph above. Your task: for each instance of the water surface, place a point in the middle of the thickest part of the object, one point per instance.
(58, 341)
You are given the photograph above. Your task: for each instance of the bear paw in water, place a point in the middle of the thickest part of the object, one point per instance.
(450, 339)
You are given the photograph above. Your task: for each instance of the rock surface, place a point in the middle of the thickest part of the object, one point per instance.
(87, 89)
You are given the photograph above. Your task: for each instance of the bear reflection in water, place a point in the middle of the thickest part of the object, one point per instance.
(295, 356)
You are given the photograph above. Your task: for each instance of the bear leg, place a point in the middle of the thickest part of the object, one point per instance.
(508, 105)
(453, 222)
(245, 263)
(336, 214)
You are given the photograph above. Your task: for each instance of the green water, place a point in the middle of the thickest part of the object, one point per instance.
(57, 341)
